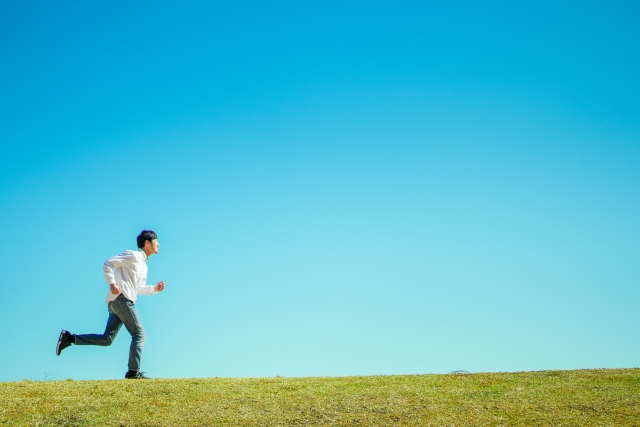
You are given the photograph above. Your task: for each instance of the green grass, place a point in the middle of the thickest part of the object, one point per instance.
(607, 397)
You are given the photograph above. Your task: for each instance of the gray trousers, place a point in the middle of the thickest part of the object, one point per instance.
(121, 311)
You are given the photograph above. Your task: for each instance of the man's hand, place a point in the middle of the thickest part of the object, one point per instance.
(114, 289)
(159, 287)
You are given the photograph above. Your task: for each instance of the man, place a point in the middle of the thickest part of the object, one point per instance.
(126, 275)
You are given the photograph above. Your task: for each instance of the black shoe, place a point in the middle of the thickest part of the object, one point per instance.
(65, 340)
(135, 375)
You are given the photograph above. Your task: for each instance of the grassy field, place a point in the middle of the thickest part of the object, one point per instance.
(609, 397)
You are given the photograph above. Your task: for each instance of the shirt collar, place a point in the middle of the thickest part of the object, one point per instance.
(144, 256)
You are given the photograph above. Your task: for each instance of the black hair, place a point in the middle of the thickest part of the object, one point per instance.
(144, 236)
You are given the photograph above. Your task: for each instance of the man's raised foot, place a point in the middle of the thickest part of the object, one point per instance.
(65, 340)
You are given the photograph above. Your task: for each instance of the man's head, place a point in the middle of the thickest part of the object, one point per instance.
(148, 242)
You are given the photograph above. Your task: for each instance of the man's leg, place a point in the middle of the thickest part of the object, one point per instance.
(110, 332)
(126, 311)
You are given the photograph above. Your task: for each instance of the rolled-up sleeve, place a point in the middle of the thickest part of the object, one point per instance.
(146, 290)
(143, 288)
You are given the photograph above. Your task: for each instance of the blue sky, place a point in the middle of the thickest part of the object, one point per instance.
(338, 189)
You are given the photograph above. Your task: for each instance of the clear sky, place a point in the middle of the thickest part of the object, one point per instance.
(339, 188)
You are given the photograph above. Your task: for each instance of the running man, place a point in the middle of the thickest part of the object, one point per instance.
(126, 275)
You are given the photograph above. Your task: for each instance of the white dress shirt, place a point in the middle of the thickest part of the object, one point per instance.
(129, 271)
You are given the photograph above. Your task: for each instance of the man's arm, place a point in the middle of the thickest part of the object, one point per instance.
(150, 290)
(109, 266)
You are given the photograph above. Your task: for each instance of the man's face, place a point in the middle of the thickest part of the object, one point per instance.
(151, 247)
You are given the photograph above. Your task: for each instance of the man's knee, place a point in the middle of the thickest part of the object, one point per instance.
(139, 337)
(108, 339)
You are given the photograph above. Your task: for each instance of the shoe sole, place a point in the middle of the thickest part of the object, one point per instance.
(58, 351)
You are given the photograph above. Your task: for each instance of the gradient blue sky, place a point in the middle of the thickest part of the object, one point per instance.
(339, 188)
